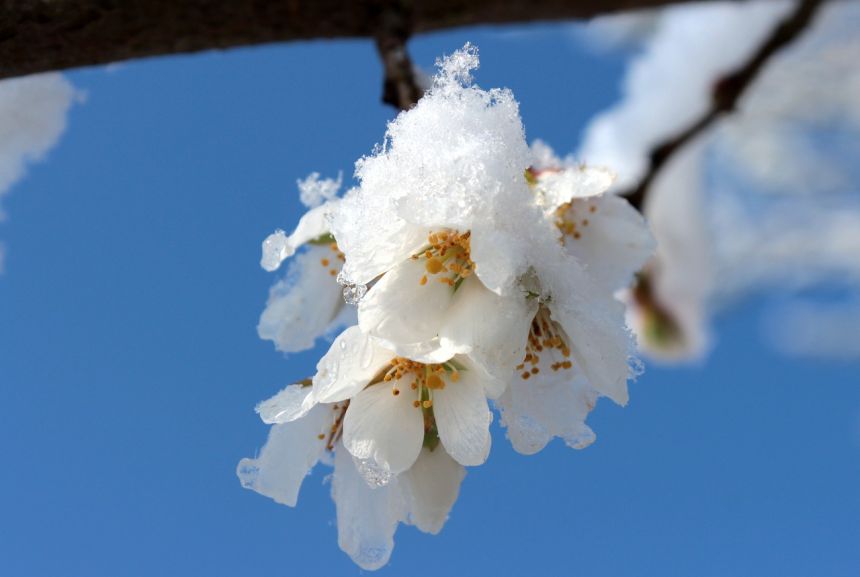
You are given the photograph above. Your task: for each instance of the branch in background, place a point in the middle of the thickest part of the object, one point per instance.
(401, 88)
(727, 92)
(42, 35)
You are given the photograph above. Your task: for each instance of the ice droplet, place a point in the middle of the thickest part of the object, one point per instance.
(373, 474)
(581, 439)
(637, 367)
(353, 294)
(327, 371)
(276, 248)
(248, 471)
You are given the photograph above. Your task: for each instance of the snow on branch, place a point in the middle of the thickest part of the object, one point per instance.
(726, 93)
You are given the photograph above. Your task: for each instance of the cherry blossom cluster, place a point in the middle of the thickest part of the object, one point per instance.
(472, 272)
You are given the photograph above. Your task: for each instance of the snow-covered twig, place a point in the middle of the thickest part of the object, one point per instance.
(727, 92)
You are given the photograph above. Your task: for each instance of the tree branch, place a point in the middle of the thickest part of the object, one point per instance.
(727, 92)
(42, 35)
(401, 87)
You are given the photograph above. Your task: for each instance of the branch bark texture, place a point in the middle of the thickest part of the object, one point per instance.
(42, 35)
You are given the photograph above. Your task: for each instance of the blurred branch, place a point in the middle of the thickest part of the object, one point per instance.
(401, 87)
(42, 35)
(727, 92)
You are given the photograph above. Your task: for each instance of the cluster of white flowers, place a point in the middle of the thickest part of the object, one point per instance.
(483, 273)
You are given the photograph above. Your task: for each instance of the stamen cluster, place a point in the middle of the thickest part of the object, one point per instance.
(330, 262)
(544, 335)
(447, 257)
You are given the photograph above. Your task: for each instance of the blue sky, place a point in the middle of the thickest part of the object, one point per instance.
(130, 364)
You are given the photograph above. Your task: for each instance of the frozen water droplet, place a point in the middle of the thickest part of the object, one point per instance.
(353, 294)
(276, 248)
(637, 367)
(374, 475)
(582, 439)
(326, 372)
(248, 471)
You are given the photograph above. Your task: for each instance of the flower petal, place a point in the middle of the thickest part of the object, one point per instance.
(292, 450)
(391, 242)
(400, 310)
(463, 419)
(616, 242)
(599, 343)
(284, 407)
(545, 406)
(491, 329)
(349, 365)
(430, 488)
(557, 187)
(366, 518)
(384, 427)
(303, 306)
(499, 257)
(278, 247)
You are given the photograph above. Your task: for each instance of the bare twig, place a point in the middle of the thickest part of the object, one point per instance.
(41, 35)
(726, 94)
(401, 88)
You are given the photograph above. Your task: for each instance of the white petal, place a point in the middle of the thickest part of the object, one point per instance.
(399, 310)
(314, 223)
(372, 237)
(430, 488)
(615, 244)
(278, 247)
(548, 405)
(349, 365)
(303, 306)
(292, 450)
(385, 427)
(491, 329)
(463, 419)
(366, 518)
(561, 186)
(599, 343)
(284, 407)
(499, 258)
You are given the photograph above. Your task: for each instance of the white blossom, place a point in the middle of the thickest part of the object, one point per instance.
(397, 405)
(548, 396)
(367, 516)
(445, 225)
(490, 271)
(307, 303)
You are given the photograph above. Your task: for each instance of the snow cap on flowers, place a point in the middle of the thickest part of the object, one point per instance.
(456, 160)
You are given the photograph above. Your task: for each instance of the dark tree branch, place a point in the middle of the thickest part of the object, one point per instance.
(727, 92)
(401, 87)
(42, 35)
